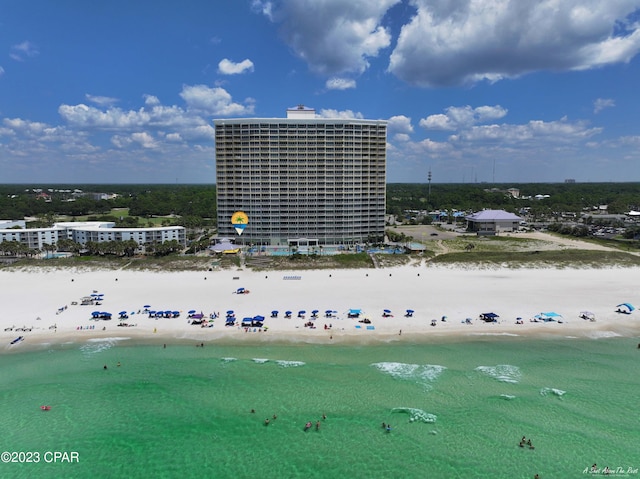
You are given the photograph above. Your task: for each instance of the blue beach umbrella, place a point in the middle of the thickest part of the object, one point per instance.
(625, 307)
(191, 311)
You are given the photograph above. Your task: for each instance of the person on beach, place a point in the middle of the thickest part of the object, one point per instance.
(317, 425)
(266, 422)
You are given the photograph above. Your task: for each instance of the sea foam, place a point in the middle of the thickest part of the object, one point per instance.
(96, 345)
(289, 364)
(424, 374)
(553, 391)
(416, 415)
(505, 373)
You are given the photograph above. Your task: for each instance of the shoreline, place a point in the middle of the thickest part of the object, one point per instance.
(432, 292)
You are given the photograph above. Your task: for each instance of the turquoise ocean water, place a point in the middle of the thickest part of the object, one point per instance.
(455, 409)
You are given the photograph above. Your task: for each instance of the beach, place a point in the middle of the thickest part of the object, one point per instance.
(45, 305)
(147, 401)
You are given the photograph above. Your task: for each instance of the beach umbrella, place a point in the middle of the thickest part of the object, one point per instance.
(315, 311)
(287, 313)
(410, 311)
(175, 313)
(228, 312)
(627, 306)
(147, 306)
(259, 318)
(387, 311)
(191, 311)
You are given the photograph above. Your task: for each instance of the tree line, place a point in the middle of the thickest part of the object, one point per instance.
(195, 205)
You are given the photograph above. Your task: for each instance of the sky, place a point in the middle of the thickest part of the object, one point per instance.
(504, 91)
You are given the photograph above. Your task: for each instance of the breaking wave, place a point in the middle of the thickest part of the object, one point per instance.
(97, 345)
(424, 374)
(505, 373)
(552, 391)
(416, 415)
(289, 364)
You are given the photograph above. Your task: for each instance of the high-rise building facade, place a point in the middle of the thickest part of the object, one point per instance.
(302, 180)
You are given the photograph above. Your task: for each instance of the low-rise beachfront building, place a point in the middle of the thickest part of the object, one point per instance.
(492, 222)
(303, 180)
(95, 231)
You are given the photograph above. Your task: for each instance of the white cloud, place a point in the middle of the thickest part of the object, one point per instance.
(401, 137)
(151, 100)
(213, 101)
(112, 118)
(101, 100)
(332, 36)
(227, 67)
(461, 42)
(562, 131)
(340, 84)
(344, 114)
(602, 103)
(1, 71)
(264, 7)
(462, 117)
(144, 139)
(173, 137)
(400, 124)
(21, 51)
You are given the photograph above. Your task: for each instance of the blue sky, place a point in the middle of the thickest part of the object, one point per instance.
(514, 91)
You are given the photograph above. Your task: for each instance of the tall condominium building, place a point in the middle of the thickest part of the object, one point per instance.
(302, 180)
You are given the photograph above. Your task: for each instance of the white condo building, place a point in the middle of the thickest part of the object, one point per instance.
(82, 232)
(302, 180)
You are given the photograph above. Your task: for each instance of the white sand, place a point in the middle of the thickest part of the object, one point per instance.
(32, 299)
